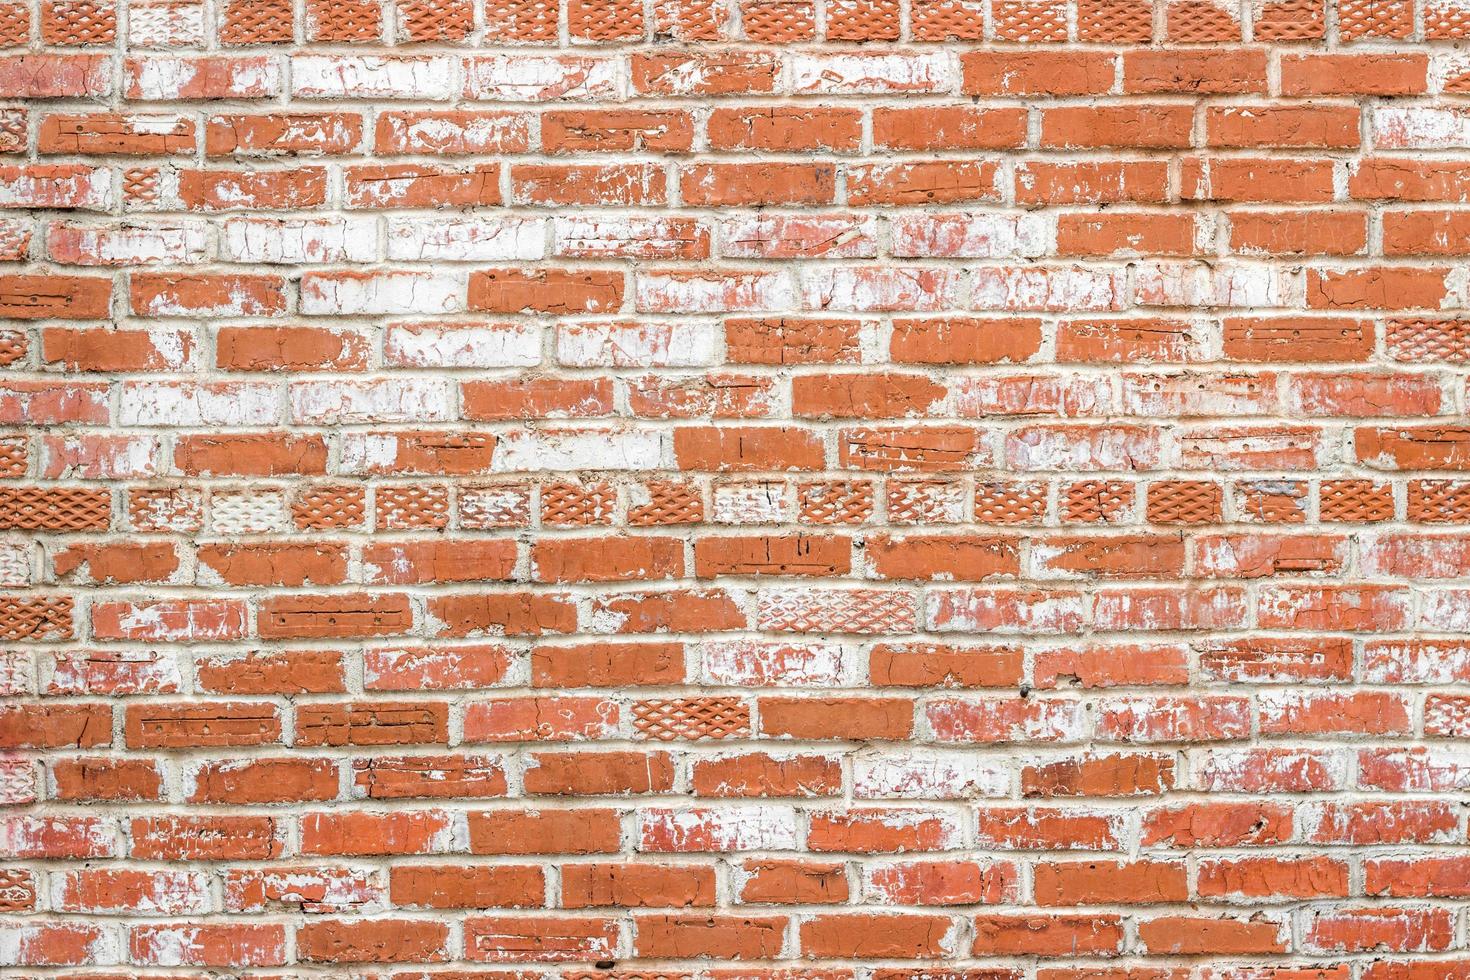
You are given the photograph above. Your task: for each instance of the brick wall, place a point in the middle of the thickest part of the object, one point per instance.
(734, 489)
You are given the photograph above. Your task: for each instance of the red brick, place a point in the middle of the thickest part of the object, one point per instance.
(734, 489)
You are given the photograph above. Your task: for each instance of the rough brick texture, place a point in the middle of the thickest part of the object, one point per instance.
(734, 489)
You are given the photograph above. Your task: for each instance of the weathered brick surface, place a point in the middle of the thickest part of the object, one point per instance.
(734, 489)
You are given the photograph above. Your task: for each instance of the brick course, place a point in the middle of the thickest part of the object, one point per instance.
(734, 489)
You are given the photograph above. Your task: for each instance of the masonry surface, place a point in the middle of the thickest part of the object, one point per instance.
(734, 489)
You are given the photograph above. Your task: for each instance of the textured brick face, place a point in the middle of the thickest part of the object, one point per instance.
(734, 489)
